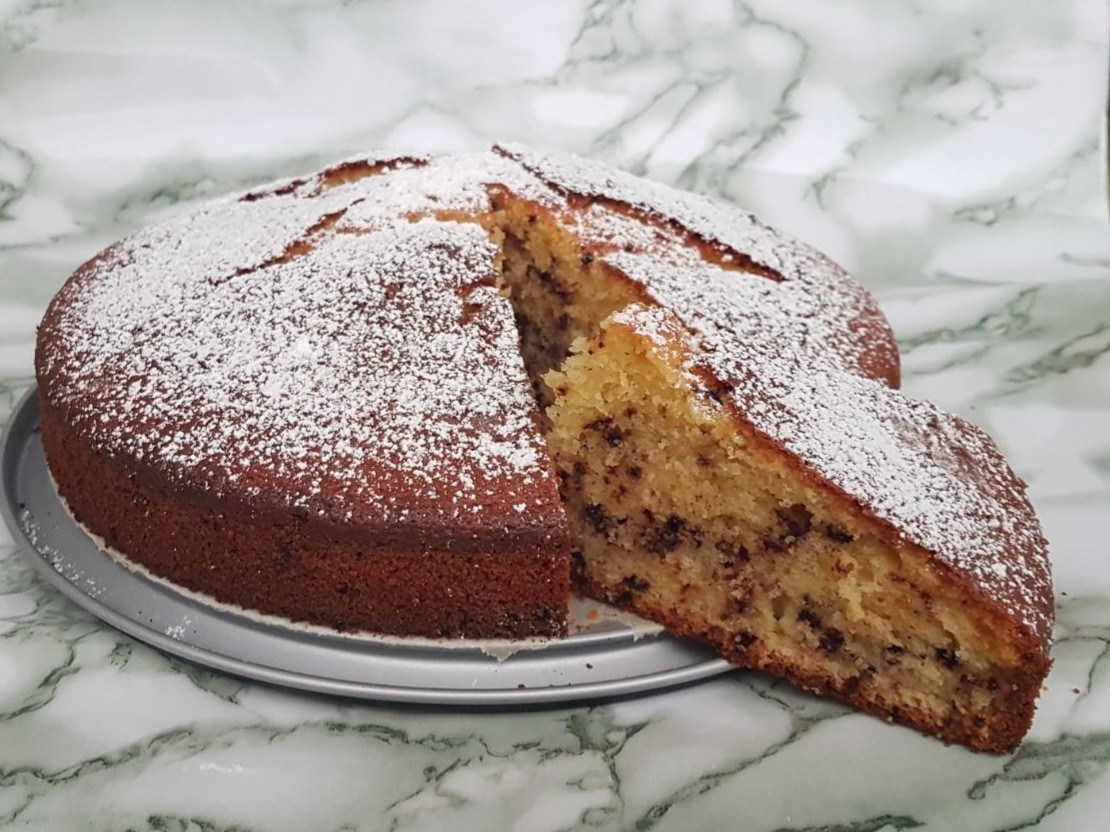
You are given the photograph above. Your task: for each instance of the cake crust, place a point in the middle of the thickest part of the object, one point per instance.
(319, 400)
(333, 352)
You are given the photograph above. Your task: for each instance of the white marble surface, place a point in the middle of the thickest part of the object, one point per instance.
(952, 154)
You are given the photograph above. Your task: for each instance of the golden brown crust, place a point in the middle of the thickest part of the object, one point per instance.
(999, 732)
(306, 569)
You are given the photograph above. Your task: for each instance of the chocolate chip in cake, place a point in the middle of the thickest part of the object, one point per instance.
(838, 534)
(777, 544)
(587, 259)
(797, 518)
(746, 639)
(892, 654)
(630, 587)
(831, 640)
(635, 471)
(636, 584)
(732, 552)
(947, 657)
(597, 517)
(666, 536)
(808, 616)
(796, 522)
(610, 432)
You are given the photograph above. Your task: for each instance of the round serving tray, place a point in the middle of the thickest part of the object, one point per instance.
(608, 654)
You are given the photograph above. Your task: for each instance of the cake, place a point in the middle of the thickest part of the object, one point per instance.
(423, 395)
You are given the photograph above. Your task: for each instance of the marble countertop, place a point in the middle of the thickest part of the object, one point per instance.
(952, 155)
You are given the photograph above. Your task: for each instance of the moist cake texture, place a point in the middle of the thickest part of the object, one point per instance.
(420, 395)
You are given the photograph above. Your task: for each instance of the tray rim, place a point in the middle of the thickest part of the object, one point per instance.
(18, 432)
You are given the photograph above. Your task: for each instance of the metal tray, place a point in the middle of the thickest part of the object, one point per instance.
(608, 654)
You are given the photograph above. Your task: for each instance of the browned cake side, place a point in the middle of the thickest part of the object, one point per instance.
(326, 426)
(423, 582)
(311, 400)
(319, 401)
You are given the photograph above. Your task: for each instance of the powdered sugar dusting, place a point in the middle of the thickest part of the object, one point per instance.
(866, 346)
(332, 343)
(938, 480)
(794, 315)
(725, 225)
(444, 184)
(374, 377)
(799, 372)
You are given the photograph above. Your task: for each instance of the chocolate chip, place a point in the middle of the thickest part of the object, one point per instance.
(797, 519)
(587, 259)
(597, 516)
(732, 552)
(838, 534)
(893, 653)
(716, 392)
(777, 544)
(831, 640)
(634, 583)
(947, 657)
(808, 616)
(746, 639)
(635, 471)
(666, 536)
(611, 433)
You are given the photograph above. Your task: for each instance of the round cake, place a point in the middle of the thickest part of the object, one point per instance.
(420, 395)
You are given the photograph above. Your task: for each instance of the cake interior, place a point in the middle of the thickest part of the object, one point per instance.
(676, 515)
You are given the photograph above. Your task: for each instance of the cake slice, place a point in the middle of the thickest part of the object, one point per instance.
(806, 522)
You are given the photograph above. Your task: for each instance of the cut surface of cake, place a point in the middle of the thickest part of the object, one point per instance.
(414, 394)
(871, 577)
